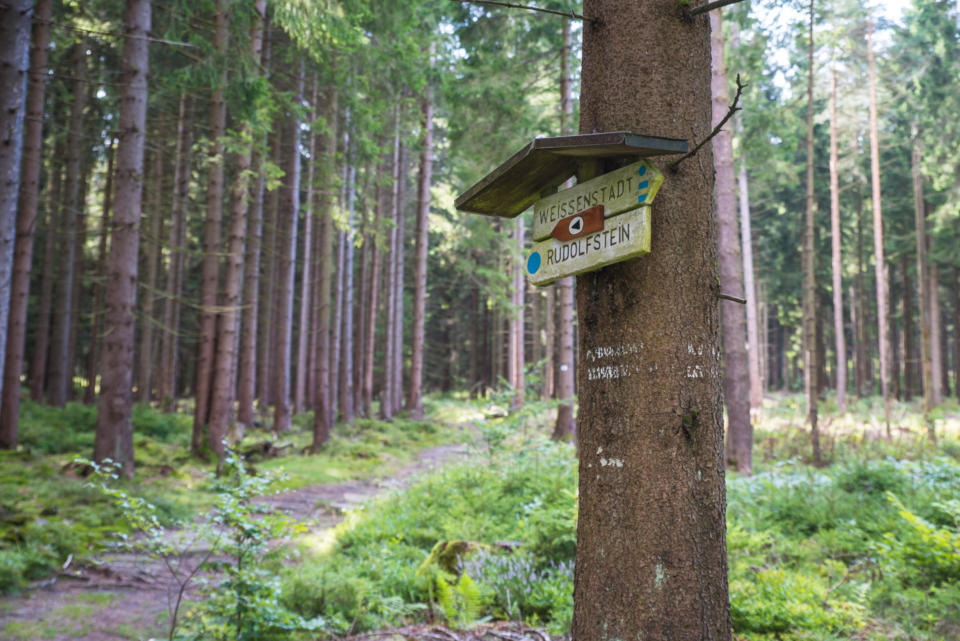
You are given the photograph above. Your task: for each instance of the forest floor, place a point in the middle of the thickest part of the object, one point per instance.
(115, 597)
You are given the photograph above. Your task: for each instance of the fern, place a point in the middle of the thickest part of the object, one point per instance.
(461, 602)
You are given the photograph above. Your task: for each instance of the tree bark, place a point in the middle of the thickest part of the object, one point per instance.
(736, 381)
(566, 426)
(936, 347)
(155, 218)
(386, 398)
(96, 330)
(810, 273)
(287, 253)
(169, 339)
(840, 341)
(909, 345)
(397, 395)
(303, 336)
(14, 328)
(415, 393)
(955, 304)
(371, 306)
(515, 350)
(114, 435)
(323, 412)
(266, 350)
(38, 364)
(651, 550)
(210, 270)
(883, 332)
(346, 335)
(59, 376)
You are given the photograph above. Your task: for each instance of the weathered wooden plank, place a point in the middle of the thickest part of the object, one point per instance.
(617, 191)
(623, 237)
(543, 164)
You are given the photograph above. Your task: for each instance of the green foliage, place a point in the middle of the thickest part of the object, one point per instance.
(920, 552)
(461, 601)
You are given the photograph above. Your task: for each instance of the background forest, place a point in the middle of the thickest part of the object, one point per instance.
(253, 230)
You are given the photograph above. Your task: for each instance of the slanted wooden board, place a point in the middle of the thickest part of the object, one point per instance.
(618, 191)
(623, 237)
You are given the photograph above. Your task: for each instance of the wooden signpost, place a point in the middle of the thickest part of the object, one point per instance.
(596, 223)
(618, 238)
(618, 191)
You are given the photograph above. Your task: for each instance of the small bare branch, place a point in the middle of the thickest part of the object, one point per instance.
(736, 299)
(733, 109)
(565, 14)
(688, 13)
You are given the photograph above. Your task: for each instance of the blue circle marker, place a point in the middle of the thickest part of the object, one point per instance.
(642, 170)
(641, 198)
(533, 263)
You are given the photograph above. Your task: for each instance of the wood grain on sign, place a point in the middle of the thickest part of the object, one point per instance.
(618, 191)
(583, 223)
(623, 237)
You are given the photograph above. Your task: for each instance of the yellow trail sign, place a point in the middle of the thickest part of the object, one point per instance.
(618, 191)
(622, 237)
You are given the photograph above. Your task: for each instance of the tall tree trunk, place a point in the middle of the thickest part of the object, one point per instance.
(300, 389)
(346, 335)
(397, 395)
(415, 392)
(114, 435)
(883, 336)
(386, 399)
(210, 270)
(77, 318)
(860, 340)
(96, 330)
(14, 328)
(736, 381)
(955, 305)
(371, 305)
(38, 364)
(840, 342)
(59, 375)
(566, 426)
(155, 218)
(167, 383)
(323, 412)
(227, 344)
(909, 344)
(515, 350)
(810, 273)
(937, 352)
(650, 528)
(266, 351)
(287, 252)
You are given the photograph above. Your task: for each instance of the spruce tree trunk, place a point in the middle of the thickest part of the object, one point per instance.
(883, 332)
(227, 344)
(38, 364)
(955, 305)
(300, 388)
(566, 425)
(415, 393)
(909, 345)
(937, 352)
(515, 356)
(169, 340)
(860, 341)
(323, 412)
(287, 253)
(210, 270)
(840, 342)
(386, 398)
(651, 551)
(267, 296)
(810, 368)
(96, 330)
(373, 291)
(397, 394)
(114, 435)
(736, 381)
(155, 218)
(346, 351)
(14, 329)
(60, 377)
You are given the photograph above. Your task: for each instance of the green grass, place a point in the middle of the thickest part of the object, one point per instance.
(48, 511)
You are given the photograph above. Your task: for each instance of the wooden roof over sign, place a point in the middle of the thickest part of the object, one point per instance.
(545, 163)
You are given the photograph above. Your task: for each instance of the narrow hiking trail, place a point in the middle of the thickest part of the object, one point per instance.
(122, 597)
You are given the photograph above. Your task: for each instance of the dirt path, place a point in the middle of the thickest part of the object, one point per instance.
(127, 596)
